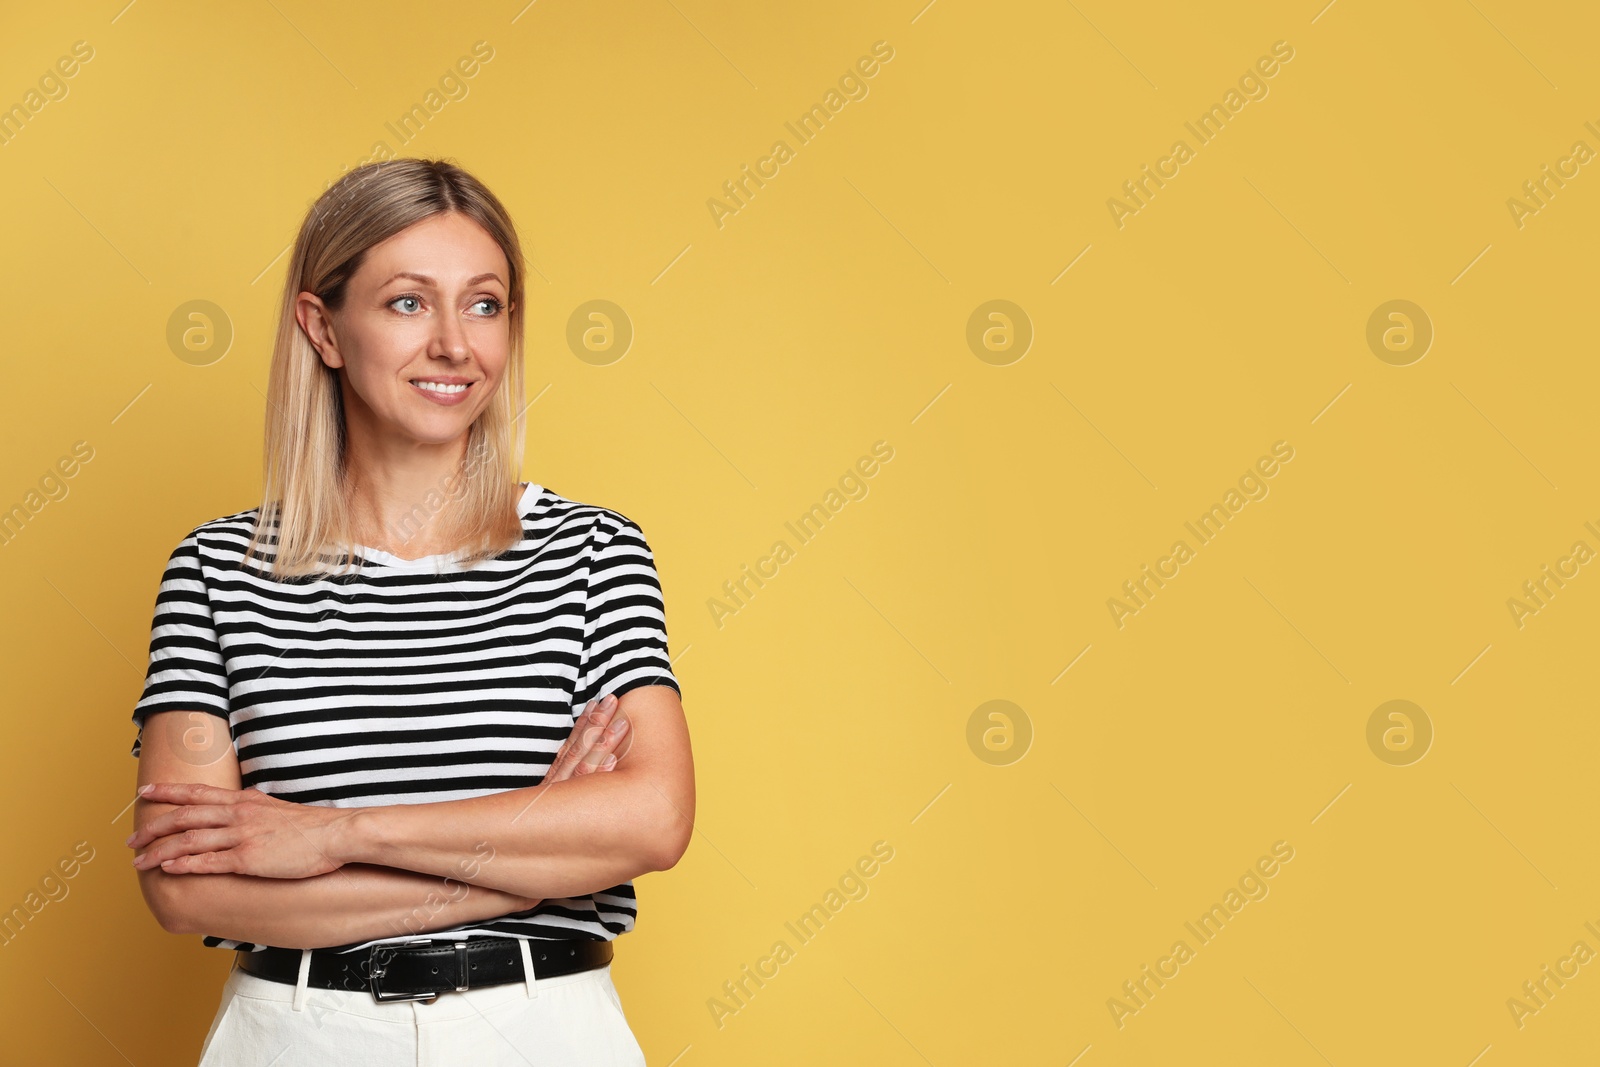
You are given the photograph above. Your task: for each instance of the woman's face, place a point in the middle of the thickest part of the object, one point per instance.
(423, 336)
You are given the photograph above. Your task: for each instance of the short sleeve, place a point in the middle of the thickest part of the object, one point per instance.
(186, 671)
(625, 628)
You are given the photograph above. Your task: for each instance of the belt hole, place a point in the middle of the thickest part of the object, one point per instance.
(436, 970)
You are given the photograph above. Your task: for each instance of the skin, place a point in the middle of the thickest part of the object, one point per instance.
(393, 329)
(599, 740)
(550, 840)
(596, 832)
(357, 902)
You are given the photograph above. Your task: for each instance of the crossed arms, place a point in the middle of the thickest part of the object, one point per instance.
(248, 867)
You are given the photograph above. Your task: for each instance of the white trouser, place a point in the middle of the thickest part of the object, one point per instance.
(569, 1020)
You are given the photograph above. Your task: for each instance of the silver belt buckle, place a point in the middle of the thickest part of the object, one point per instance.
(376, 972)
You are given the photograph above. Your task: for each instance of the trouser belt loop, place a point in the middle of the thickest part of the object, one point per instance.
(301, 980)
(529, 977)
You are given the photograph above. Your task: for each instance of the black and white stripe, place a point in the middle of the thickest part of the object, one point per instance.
(415, 681)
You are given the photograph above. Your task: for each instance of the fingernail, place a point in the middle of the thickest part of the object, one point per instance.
(610, 701)
(129, 841)
(616, 728)
(610, 762)
(143, 789)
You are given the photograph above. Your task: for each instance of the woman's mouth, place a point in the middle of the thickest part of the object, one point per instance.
(443, 392)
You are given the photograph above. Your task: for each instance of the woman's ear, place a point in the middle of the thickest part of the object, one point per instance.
(317, 323)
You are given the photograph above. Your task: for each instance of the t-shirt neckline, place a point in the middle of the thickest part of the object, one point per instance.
(393, 562)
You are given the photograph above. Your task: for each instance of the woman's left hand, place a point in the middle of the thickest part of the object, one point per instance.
(238, 831)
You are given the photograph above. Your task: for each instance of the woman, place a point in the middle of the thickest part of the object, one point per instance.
(371, 727)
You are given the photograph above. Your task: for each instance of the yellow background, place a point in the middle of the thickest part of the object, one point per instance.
(769, 355)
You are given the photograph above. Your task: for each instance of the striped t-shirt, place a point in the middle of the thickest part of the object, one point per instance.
(415, 681)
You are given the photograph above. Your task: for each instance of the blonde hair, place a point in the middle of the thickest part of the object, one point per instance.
(305, 513)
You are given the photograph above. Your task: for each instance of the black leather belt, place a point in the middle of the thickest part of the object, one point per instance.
(424, 968)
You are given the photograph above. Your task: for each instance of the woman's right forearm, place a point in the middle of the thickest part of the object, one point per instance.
(357, 902)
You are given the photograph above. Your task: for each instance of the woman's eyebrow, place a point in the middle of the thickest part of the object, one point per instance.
(425, 280)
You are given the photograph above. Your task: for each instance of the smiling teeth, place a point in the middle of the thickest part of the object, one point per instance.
(435, 387)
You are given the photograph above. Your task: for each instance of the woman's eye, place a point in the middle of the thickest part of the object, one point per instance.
(488, 306)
